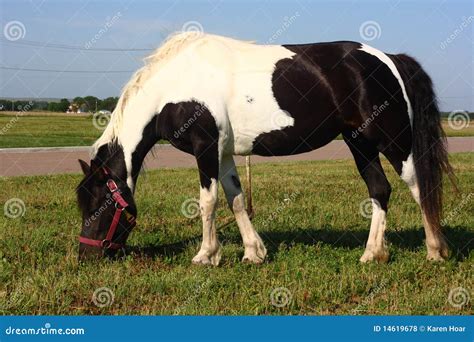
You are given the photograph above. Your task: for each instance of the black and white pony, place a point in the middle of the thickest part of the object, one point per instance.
(215, 97)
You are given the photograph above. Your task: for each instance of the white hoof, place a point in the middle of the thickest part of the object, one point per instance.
(437, 255)
(439, 252)
(255, 253)
(378, 255)
(208, 258)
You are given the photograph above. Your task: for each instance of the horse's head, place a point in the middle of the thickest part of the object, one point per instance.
(108, 211)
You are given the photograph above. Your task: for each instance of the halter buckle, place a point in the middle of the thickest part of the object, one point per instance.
(112, 185)
(105, 244)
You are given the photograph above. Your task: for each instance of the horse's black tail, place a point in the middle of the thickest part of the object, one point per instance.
(429, 141)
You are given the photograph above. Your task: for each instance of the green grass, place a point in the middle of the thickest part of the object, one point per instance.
(46, 131)
(314, 244)
(68, 130)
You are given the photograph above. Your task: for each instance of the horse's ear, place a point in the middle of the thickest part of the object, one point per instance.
(97, 172)
(84, 166)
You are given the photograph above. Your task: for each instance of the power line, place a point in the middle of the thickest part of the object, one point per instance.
(69, 71)
(69, 47)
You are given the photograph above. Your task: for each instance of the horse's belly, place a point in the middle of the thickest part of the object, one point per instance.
(249, 123)
(286, 142)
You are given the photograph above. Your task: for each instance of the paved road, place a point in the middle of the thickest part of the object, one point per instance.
(46, 161)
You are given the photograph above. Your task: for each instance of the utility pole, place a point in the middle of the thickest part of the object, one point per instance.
(96, 106)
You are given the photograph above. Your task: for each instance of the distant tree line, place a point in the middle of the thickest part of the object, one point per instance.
(87, 104)
(78, 104)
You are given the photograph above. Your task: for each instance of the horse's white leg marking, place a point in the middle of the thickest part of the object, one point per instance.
(376, 249)
(210, 248)
(255, 250)
(435, 244)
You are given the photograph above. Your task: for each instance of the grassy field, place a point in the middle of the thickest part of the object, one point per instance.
(314, 240)
(47, 130)
(51, 130)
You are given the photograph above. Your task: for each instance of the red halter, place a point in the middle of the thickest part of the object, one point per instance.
(120, 205)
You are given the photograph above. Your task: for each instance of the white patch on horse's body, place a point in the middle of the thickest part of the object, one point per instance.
(376, 249)
(385, 59)
(216, 71)
(254, 67)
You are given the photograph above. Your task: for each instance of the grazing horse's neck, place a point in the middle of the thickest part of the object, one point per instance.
(138, 152)
(124, 156)
(111, 156)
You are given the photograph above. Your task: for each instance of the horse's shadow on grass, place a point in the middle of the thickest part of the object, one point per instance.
(168, 250)
(460, 240)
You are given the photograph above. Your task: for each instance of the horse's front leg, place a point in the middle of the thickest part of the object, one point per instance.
(208, 164)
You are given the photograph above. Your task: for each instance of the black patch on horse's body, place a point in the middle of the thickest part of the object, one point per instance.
(332, 88)
(190, 127)
(150, 136)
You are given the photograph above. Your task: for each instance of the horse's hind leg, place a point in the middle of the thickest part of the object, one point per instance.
(405, 167)
(367, 160)
(255, 250)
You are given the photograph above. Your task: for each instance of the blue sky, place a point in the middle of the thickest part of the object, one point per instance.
(419, 28)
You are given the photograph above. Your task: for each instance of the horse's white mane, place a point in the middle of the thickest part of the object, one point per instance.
(171, 46)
